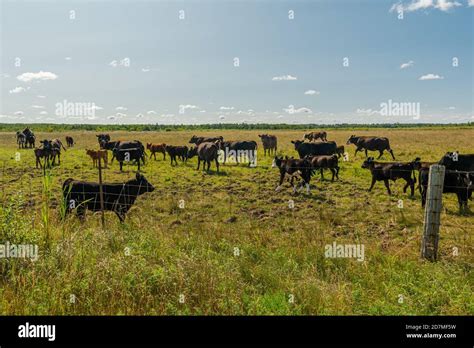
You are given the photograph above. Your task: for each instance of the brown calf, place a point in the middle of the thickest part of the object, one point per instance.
(96, 154)
(154, 148)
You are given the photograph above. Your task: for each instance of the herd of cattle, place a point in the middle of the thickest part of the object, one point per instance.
(313, 155)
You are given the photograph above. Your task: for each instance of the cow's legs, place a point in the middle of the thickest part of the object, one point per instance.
(217, 164)
(381, 153)
(333, 171)
(282, 177)
(357, 150)
(391, 152)
(366, 155)
(372, 184)
(322, 175)
(387, 185)
(199, 163)
(337, 172)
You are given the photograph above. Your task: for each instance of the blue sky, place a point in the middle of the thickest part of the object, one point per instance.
(290, 69)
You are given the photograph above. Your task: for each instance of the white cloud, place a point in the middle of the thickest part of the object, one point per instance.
(139, 116)
(311, 92)
(41, 76)
(407, 65)
(41, 96)
(151, 112)
(470, 3)
(226, 108)
(121, 108)
(43, 113)
(37, 106)
(430, 77)
(18, 113)
(284, 78)
(147, 69)
(184, 107)
(97, 107)
(415, 5)
(111, 117)
(222, 117)
(119, 114)
(18, 90)
(367, 112)
(68, 58)
(445, 5)
(293, 110)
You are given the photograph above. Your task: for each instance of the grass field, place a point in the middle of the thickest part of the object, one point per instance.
(236, 247)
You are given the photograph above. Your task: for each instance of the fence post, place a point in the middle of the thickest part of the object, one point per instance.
(101, 195)
(429, 247)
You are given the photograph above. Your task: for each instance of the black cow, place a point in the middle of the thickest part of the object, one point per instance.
(391, 171)
(314, 149)
(118, 198)
(237, 149)
(21, 140)
(177, 151)
(325, 162)
(454, 182)
(379, 144)
(456, 161)
(103, 138)
(198, 140)
(293, 167)
(126, 151)
(206, 152)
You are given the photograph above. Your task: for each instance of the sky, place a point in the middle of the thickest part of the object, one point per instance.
(210, 61)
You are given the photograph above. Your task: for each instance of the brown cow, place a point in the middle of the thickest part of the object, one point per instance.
(154, 148)
(370, 144)
(269, 143)
(96, 154)
(313, 136)
(69, 141)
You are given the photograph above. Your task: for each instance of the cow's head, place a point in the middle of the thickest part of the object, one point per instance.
(351, 140)
(192, 152)
(416, 163)
(193, 139)
(148, 146)
(144, 185)
(297, 143)
(47, 144)
(368, 163)
(449, 159)
(277, 162)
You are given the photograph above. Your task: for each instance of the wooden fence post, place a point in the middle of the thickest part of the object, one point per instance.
(429, 247)
(101, 195)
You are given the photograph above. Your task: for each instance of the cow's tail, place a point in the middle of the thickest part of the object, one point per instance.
(60, 143)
